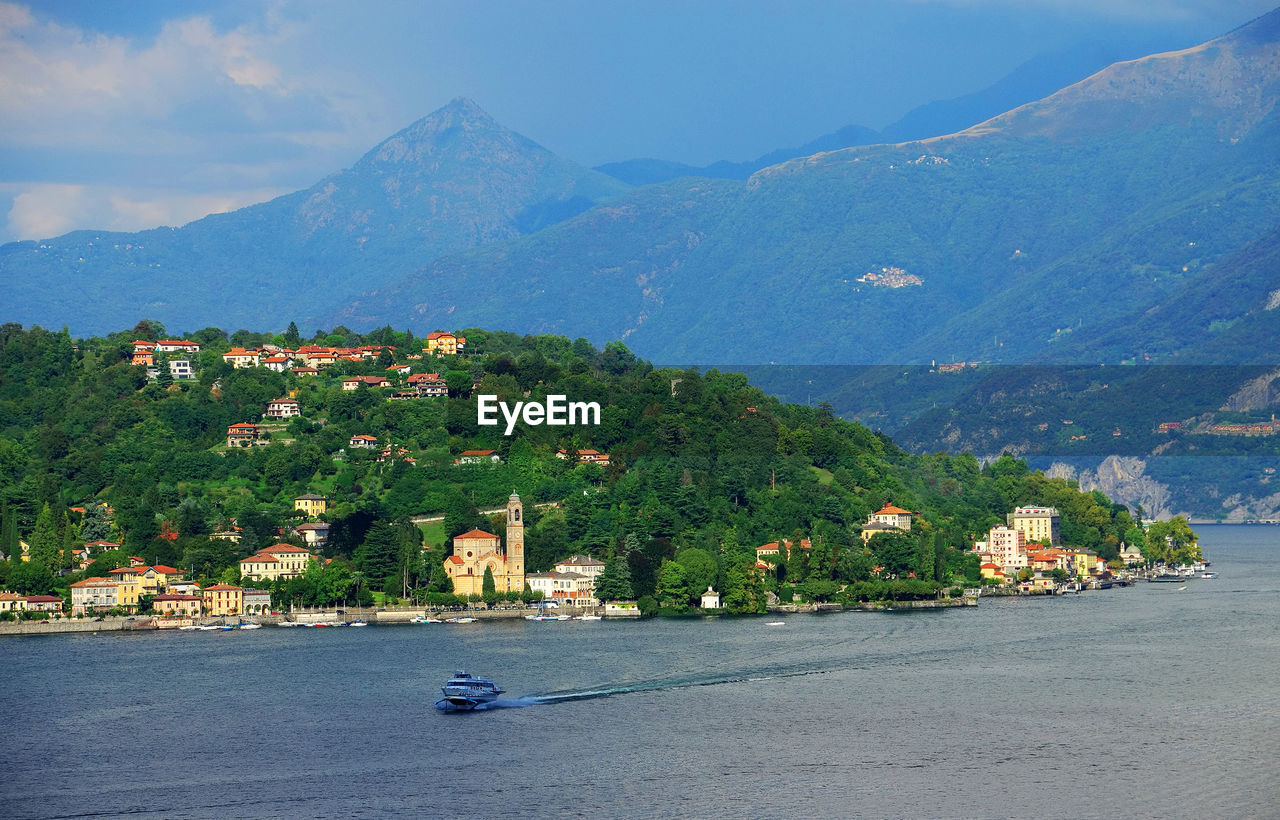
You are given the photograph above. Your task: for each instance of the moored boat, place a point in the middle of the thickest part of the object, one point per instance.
(1167, 578)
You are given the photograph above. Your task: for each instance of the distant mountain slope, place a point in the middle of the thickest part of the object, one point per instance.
(653, 171)
(1030, 81)
(600, 274)
(1033, 80)
(453, 180)
(1061, 219)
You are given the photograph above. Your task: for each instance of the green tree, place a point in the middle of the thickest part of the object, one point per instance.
(45, 539)
(95, 526)
(487, 585)
(700, 569)
(895, 551)
(743, 592)
(1172, 542)
(614, 583)
(440, 580)
(164, 376)
(378, 556)
(673, 585)
(31, 578)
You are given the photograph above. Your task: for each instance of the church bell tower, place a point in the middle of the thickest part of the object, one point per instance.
(515, 542)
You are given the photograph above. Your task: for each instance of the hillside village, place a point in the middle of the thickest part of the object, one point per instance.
(352, 470)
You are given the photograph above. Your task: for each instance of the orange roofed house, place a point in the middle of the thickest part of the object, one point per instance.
(478, 457)
(177, 605)
(223, 599)
(768, 555)
(278, 561)
(243, 434)
(887, 519)
(444, 344)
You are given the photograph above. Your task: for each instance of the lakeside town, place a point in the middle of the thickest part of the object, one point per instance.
(265, 476)
(1025, 556)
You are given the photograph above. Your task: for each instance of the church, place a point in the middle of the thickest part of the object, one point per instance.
(477, 550)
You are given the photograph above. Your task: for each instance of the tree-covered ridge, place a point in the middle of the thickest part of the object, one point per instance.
(703, 468)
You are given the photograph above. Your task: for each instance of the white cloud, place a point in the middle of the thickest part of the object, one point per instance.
(63, 86)
(42, 211)
(47, 210)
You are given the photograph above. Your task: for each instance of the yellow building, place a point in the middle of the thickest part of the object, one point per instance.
(311, 504)
(476, 551)
(1037, 524)
(156, 579)
(129, 586)
(279, 561)
(444, 344)
(11, 602)
(887, 519)
(223, 599)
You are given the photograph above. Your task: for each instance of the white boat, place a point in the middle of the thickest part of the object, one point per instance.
(188, 628)
(587, 618)
(358, 623)
(1209, 575)
(465, 619)
(466, 691)
(251, 625)
(776, 623)
(424, 620)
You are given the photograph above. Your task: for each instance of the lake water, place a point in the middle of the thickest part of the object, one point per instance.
(1148, 701)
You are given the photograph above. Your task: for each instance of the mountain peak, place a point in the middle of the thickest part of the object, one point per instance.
(457, 125)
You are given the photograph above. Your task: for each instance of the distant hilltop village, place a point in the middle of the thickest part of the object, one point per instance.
(890, 278)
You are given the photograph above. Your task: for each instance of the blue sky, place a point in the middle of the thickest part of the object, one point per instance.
(127, 114)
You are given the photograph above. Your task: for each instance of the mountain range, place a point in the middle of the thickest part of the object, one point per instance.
(1069, 228)
(1032, 236)
(448, 182)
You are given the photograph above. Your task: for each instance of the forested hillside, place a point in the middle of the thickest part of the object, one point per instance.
(703, 468)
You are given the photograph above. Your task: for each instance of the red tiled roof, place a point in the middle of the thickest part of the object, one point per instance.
(475, 534)
(455, 559)
(478, 452)
(889, 509)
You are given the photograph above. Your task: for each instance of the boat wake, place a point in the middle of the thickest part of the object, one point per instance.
(551, 698)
